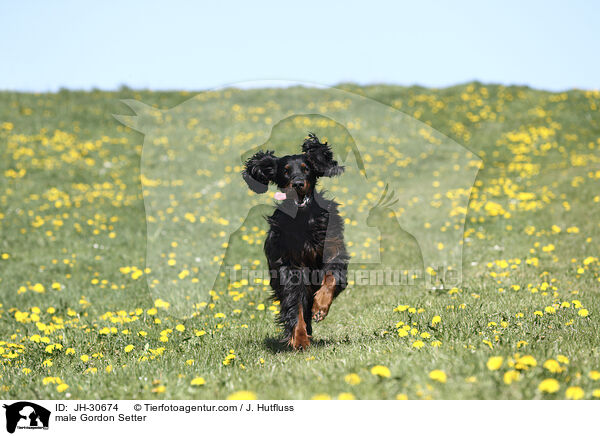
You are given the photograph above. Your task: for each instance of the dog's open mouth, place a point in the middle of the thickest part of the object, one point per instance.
(303, 202)
(300, 200)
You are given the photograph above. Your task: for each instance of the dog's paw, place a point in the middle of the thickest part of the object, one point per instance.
(319, 314)
(299, 342)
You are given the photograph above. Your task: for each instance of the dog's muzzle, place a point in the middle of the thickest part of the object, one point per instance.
(303, 202)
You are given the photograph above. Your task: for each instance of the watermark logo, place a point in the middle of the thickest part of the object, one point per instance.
(404, 194)
(26, 415)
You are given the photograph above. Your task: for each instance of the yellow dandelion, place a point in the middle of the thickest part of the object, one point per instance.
(198, 381)
(494, 363)
(438, 375)
(321, 397)
(242, 395)
(553, 366)
(161, 304)
(381, 371)
(549, 386)
(574, 393)
(352, 379)
(526, 362)
(418, 344)
(511, 376)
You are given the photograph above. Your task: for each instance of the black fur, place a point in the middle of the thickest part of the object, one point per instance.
(306, 236)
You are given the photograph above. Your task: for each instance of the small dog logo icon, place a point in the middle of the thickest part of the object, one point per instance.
(26, 415)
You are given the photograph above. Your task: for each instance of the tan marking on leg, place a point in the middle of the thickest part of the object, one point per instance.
(300, 337)
(323, 298)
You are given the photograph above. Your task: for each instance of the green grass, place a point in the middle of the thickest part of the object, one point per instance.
(73, 212)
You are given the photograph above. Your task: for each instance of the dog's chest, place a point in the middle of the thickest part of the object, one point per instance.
(302, 242)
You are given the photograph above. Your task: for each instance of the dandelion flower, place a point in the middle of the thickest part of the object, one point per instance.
(438, 375)
(381, 371)
(574, 393)
(494, 363)
(553, 366)
(594, 375)
(549, 386)
(526, 362)
(198, 381)
(418, 344)
(161, 304)
(321, 397)
(352, 379)
(511, 376)
(242, 395)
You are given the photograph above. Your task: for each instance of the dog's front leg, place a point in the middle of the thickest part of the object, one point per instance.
(335, 259)
(334, 281)
(292, 307)
(324, 297)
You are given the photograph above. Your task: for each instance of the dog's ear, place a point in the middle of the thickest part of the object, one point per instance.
(260, 170)
(320, 157)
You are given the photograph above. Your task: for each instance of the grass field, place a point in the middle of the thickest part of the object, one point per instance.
(107, 274)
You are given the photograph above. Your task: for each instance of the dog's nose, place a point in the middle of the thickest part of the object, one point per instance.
(298, 184)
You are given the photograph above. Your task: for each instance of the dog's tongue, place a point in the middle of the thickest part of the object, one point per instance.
(280, 196)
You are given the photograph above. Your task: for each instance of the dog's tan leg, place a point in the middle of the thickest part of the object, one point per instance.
(300, 337)
(323, 298)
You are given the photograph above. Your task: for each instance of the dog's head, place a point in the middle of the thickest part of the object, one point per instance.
(296, 175)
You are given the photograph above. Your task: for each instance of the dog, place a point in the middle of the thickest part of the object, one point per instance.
(305, 249)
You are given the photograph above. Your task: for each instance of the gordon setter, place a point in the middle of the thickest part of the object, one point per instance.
(305, 247)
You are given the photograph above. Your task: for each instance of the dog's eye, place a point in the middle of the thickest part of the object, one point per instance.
(304, 169)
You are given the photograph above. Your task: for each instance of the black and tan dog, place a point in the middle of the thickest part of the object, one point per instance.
(305, 247)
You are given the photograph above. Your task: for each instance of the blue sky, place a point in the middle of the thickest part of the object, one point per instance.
(188, 45)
